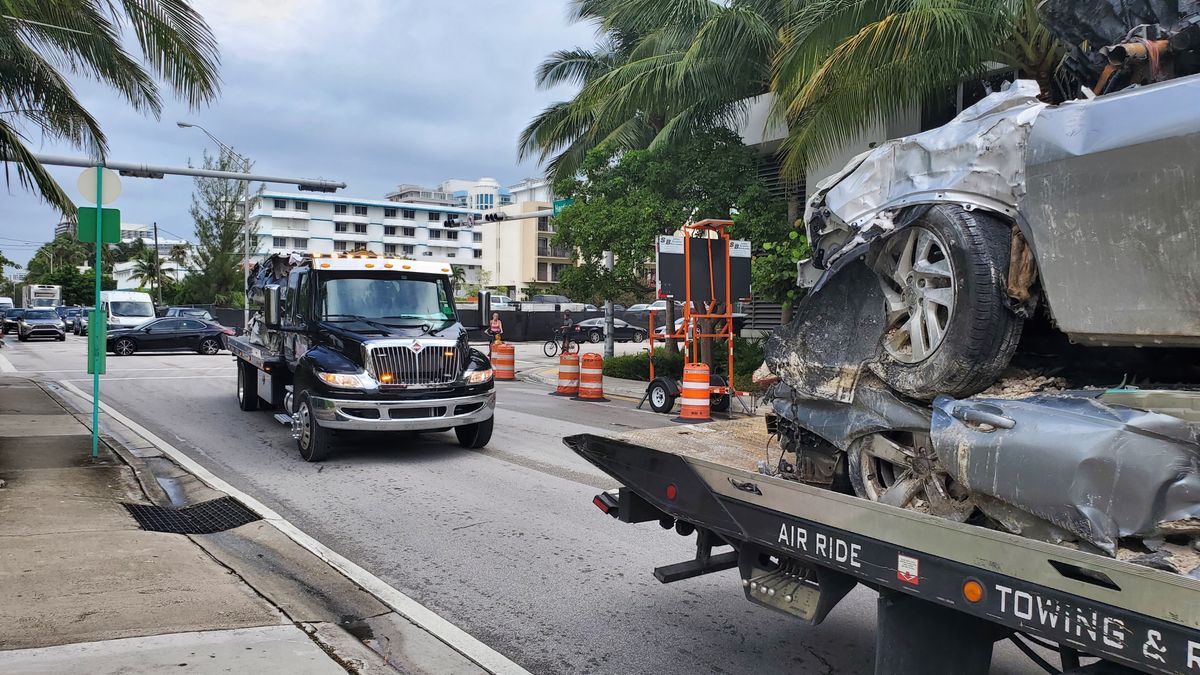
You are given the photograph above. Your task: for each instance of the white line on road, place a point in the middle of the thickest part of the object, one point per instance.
(6, 366)
(455, 637)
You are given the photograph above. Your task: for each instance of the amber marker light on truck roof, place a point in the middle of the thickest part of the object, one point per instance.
(972, 590)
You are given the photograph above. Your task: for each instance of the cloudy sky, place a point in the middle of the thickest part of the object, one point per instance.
(370, 92)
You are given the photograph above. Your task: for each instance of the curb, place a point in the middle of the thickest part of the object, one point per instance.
(443, 630)
(548, 375)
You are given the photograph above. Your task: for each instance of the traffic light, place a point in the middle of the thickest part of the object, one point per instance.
(494, 217)
(450, 222)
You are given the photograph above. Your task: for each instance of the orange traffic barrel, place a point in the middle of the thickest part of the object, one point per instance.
(504, 361)
(694, 399)
(568, 375)
(591, 378)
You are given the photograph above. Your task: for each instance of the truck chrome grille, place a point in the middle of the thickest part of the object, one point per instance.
(432, 363)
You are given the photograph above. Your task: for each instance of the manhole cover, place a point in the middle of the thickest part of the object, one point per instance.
(216, 515)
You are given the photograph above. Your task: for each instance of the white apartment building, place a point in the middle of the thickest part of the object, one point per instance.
(481, 195)
(127, 280)
(532, 190)
(320, 223)
(132, 231)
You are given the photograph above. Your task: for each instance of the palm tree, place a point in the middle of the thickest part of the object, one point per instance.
(180, 253)
(42, 42)
(148, 268)
(666, 68)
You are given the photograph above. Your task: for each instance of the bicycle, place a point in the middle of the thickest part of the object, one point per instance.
(552, 346)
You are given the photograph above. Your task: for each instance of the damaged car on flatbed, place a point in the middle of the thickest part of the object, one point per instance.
(987, 406)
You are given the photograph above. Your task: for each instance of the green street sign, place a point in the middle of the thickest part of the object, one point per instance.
(560, 204)
(110, 222)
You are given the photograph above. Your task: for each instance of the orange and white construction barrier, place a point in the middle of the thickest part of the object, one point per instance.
(504, 361)
(591, 378)
(694, 399)
(568, 375)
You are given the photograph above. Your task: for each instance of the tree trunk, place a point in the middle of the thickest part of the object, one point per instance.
(669, 322)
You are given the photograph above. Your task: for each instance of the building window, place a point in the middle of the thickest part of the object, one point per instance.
(389, 213)
(339, 246)
(339, 209)
(434, 216)
(360, 247)
(478, 253)
(301, 244)
(389, 249)
(450, 254)
(279, 242)
(543, 272)
(281, 203)
(341, 227)
(477, 237)
(301, 206)
(407, 249)
(389, 230)
(452, 235)
(360, 210)
(409, 214)
(435, 234)
(544, 224)
(360, 228)
(409, 231)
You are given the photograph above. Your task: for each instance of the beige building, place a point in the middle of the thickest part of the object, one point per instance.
(519, 251)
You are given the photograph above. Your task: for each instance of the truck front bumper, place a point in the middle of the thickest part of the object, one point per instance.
(439, 413)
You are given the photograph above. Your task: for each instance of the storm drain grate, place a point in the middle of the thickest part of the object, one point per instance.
(217, 515)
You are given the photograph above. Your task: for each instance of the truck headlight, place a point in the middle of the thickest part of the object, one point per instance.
(346, 380)
(479, 376)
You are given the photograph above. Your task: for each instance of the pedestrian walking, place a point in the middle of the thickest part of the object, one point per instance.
(496, 328)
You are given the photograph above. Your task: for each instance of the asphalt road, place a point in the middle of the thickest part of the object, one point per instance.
(504, 542)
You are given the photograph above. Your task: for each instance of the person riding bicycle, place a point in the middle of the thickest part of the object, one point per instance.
(568, 330)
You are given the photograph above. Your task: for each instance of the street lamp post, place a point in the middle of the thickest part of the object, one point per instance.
(245, 223)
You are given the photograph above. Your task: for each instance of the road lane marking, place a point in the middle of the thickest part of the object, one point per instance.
(453, 636)
(6, 366)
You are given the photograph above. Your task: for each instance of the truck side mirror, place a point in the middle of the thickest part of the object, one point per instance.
(272, 294)
(484, 303)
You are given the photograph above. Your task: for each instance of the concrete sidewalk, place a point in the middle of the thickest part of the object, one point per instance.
(89, 589)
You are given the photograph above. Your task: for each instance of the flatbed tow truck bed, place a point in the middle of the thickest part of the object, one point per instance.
(800, 549)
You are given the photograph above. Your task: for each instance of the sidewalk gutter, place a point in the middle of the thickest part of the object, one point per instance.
(453, 636)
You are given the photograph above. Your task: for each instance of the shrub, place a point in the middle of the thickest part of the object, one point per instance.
(637, 366)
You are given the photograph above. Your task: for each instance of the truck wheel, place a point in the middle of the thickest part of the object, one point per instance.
(661, 398)
(247, 387)
(475, 436)
(949, 329)
(900, 468)
(315, 441)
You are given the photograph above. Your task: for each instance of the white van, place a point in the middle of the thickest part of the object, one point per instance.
(127, 309)
(6, 302)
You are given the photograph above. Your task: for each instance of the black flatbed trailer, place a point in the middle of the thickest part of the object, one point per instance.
(947, 590)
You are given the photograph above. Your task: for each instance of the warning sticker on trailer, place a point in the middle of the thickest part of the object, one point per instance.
(908, 569)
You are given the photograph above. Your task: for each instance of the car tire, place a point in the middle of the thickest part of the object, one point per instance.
(660, 397)
(639, 336)
(947, 271)
(315, 441)
(22, 338)
(209, 346)
(475, 436)
(900, 469)
(124, 347)
(595, 336)
(62, 338)
(247, 387)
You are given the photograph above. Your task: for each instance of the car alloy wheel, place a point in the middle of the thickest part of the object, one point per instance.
(595, 336)
(209, 346)
(901, 469)
(920, 291)
(124, 347)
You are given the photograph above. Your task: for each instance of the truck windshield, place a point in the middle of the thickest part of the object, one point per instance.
(131, 308)
(385, 297)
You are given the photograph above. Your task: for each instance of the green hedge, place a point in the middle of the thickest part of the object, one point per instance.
(747, 357)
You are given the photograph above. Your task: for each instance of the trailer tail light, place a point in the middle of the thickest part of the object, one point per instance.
(972, 590)
(606, 502)
(672, 491)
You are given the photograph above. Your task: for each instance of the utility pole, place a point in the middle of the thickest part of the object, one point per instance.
(608, 311)
(157, 266)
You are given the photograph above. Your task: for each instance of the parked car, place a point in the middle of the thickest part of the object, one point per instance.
(592, 330)
(502, 302)
(168, 334)
(80, 323)
(12, 317)
(660, 333)
(639, 307)
(190, 312)
(41, 323)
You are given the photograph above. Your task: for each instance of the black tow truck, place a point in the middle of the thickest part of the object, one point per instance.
(361, 343)
(947, 590)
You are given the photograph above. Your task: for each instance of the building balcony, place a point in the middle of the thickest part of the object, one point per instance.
(350, 234)
(285, 213)
(562, 254)
(350, 218)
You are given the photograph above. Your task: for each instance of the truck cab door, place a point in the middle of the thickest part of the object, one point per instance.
(294, 316)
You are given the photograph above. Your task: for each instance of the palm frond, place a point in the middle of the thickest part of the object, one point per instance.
(179, 46)
(30, 172)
